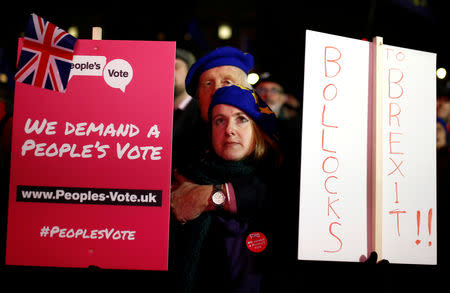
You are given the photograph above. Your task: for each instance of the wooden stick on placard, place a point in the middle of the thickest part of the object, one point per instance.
(377, 151)
(96, 33)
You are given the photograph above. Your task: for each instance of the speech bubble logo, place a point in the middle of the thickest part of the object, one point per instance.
(87, 65)
(118, 73)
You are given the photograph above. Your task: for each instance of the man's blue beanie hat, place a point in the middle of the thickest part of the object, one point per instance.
(249, 102)
(219, 57)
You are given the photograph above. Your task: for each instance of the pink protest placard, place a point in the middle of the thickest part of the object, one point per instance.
(90, 168)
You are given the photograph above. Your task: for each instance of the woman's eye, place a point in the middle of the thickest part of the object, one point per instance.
(242, 119)
(218, 121)
(228, 82)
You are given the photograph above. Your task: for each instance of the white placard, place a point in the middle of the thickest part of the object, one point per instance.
(333, 184)
(335, 204)
(409, 156)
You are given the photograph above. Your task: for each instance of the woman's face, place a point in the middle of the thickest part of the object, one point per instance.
(232, 133)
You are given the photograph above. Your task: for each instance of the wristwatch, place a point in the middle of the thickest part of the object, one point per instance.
(218, 196)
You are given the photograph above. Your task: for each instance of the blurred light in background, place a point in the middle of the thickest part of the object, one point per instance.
(253, 78)
(3, 78)
(73, 30)
(224, 32)
(441, 73)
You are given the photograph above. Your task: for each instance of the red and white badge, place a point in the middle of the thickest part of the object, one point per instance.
(256, 242)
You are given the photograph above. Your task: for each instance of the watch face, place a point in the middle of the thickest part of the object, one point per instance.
(218, 198)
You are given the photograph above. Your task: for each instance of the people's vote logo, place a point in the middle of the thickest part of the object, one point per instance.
(87, 65)
(117, 73)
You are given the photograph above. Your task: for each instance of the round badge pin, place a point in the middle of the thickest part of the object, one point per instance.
(256, 242)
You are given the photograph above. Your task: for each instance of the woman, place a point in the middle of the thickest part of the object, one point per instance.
(210, 252)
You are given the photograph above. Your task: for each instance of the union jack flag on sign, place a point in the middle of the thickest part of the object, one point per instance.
(46, 55)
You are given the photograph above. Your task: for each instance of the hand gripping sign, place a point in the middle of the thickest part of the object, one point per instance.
(90, 168)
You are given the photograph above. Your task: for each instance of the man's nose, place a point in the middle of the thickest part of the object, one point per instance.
(213, 89)
(217, 86)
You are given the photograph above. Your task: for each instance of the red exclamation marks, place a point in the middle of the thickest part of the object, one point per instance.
(430, 216)
(418, 227)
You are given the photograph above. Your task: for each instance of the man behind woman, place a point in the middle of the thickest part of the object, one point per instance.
(210, 251)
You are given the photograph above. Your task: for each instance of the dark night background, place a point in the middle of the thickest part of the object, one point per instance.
(273, 32)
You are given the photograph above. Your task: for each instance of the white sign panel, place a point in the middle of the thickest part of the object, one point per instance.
(409, 156)
(333, 184)
(336, 151)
